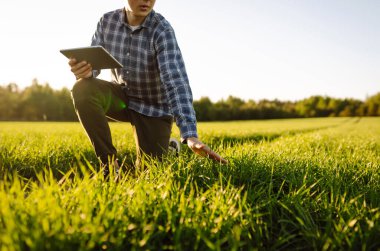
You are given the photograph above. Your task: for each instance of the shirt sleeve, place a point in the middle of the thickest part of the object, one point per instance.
(97, 39)
(174, 77)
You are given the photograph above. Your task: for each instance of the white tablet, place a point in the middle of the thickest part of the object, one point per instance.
(97, 56)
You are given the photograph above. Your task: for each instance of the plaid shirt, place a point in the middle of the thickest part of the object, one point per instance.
(154, 76)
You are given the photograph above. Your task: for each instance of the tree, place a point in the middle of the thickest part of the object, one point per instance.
(373, 105)
(38, 102)
(204, 109)
(9, 101)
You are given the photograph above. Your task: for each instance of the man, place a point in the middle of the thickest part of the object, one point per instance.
(148, 91)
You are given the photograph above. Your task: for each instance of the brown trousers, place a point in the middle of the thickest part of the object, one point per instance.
(95, 100)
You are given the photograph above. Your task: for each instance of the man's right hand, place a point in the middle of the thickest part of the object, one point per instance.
(81, 69)
(203, 150)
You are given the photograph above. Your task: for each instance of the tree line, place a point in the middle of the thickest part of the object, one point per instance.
(37, 102)
(40, 102)
(234, 108)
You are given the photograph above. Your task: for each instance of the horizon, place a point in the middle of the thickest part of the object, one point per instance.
(212, 100)
(252, 50)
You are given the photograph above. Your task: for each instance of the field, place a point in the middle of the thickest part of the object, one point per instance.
(297, 184)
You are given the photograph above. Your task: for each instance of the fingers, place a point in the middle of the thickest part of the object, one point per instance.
(213, 155)
(203, 150)
(72, 61)
(81, 69)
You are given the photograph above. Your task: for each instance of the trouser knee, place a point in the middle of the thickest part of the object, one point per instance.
(82, 89)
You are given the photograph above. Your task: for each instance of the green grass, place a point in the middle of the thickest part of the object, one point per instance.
(293, 184)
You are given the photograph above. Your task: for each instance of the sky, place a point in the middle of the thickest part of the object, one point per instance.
(251, 49)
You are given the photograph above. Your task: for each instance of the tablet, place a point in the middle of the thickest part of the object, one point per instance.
(97, 56)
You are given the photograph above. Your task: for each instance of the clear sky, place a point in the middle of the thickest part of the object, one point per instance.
(252, 49)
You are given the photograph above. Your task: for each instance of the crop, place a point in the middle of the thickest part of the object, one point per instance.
(297, 184)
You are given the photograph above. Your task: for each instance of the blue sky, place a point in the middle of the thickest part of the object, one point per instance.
(252, 49)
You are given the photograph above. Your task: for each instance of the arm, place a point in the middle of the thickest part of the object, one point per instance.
(176, 84)
(175, 80)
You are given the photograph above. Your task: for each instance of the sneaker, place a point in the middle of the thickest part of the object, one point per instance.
(174, 147)
(116, 168)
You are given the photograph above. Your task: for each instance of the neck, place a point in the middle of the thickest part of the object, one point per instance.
(133, 19)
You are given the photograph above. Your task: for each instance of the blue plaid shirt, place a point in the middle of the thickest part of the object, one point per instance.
(154, 75)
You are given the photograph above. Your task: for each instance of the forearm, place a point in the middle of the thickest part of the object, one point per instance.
(181, 102)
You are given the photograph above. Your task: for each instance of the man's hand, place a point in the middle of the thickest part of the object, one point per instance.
(203, 150)
(81, 69)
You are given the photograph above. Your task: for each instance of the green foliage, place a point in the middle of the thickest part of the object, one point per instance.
(36, 103)
(373, 105)
(296, 184)
(41, 103)
(316, 106)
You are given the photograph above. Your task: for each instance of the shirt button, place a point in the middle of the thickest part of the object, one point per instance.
(127, 72)
(128, 54)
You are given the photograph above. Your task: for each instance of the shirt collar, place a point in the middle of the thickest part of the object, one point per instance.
(148, 20)
(146, 23)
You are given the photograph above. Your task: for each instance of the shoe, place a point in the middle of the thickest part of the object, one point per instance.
(116, 168)
(174, 147)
